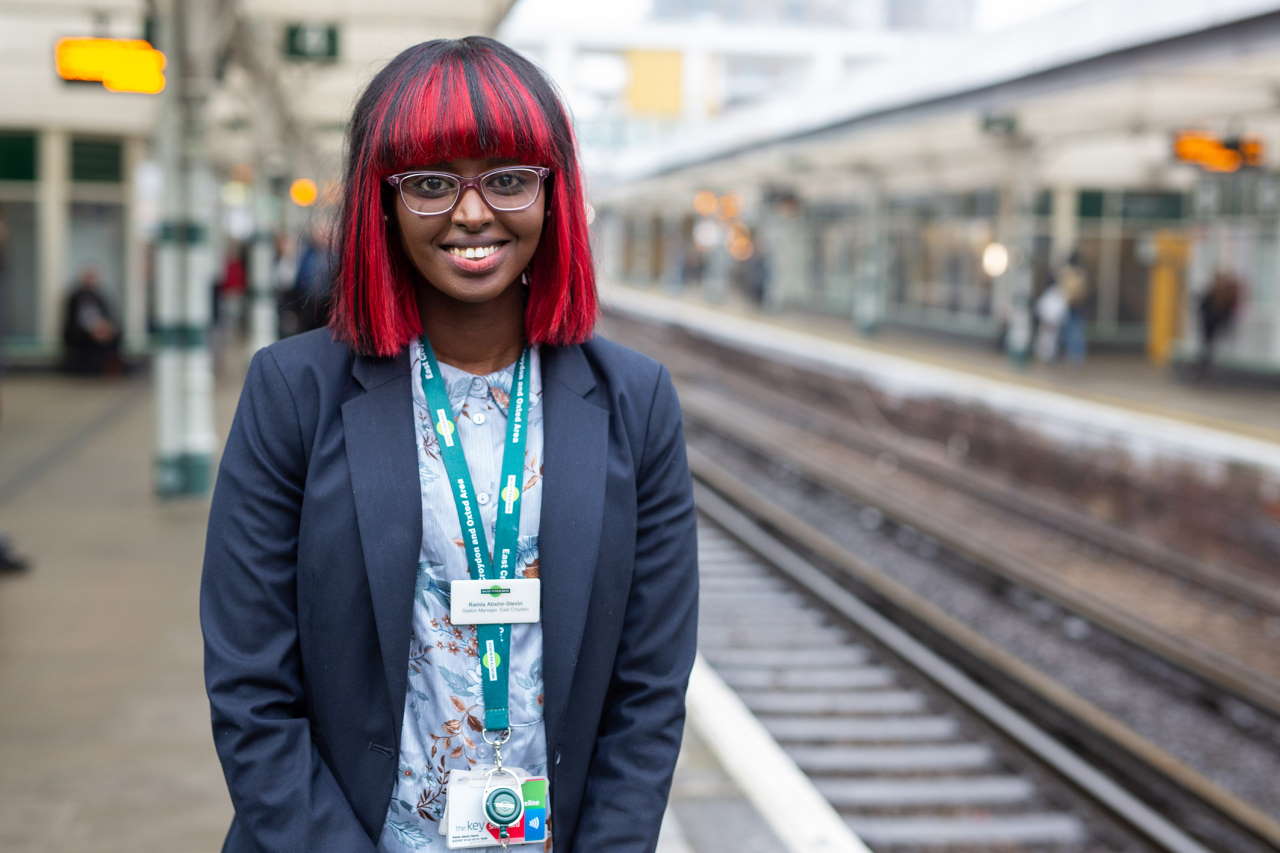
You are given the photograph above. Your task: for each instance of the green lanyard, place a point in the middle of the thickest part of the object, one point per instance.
(494, 640)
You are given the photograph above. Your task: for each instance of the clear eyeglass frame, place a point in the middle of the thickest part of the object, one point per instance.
(464, 183)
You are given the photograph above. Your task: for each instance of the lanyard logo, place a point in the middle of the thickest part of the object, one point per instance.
(509, 494)
(444, 426)
(491, 660)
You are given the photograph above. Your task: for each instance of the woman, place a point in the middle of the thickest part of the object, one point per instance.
(342, 529)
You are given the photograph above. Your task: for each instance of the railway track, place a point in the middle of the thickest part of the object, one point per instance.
(911, 751)
(1217, 627)
(1172, 661)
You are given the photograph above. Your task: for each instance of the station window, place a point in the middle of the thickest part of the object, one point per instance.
(17, 156)
(97, 160)
(18, 280)
(1117, 230)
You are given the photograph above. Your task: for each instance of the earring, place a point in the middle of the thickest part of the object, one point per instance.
(524, 279)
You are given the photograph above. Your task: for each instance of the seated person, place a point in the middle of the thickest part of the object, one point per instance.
(90, 336)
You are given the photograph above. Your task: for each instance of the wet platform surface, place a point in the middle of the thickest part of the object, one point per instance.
(105, 725)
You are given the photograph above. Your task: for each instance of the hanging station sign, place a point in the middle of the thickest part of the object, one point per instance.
(311, 42)
(120, 65)
(1217, 153)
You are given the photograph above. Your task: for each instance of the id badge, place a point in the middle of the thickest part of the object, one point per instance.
(491, 602)
(475, 798)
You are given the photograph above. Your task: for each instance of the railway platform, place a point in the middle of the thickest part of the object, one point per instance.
(1111, 398)
(105, 725)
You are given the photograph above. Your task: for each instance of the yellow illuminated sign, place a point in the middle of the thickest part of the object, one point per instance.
(654, 85)
(303, 191)
(1215, 154)
(120, 65)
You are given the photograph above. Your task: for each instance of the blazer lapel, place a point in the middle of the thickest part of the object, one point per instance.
(575, 450)
(383, 459)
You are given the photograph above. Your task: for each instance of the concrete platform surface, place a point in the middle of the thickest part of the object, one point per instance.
(1120, 383)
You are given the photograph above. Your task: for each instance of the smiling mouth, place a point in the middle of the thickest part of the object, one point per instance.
(473, 253)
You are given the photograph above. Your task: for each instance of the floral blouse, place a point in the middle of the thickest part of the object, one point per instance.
(444, 707)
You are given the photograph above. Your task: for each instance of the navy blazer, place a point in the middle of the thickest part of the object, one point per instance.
(308, 582)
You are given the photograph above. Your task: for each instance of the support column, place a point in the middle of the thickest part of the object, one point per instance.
(135, 276)
(789, 250)
(673, 252)
(53, 231)
(1015, 229)
(611, 245)
(642, 236)
(185, 263)
(262, 293)
(870, 303)
(1065, 224)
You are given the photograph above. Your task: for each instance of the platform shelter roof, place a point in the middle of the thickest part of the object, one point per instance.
(1093, 91)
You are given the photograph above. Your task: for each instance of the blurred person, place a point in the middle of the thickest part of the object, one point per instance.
(1074, 281)
(314, 278)
(1217, 309)
(90, 335)
(1051, 312)
(10, 559)
(229, 304)
(232, 288)
(284, 273)
(348, 708)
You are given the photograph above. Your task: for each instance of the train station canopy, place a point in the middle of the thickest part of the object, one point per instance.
(1094, 93)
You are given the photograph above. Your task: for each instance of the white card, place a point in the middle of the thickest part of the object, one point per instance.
(490, 602)
(463, 823)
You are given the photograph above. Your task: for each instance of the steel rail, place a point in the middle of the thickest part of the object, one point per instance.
(1238, 584)
(810, 455)
(1241, 585)
(1109, 741)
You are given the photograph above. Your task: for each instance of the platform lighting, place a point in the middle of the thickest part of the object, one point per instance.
(120, 65)
(995, 260)
(708, 234)
(235, 193)
(730, 206)
(303, 192)
(704, 203)
(741, 248)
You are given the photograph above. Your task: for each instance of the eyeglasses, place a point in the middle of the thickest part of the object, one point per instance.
(506, 189)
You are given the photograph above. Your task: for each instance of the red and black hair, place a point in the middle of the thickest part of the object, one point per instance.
(441, 100)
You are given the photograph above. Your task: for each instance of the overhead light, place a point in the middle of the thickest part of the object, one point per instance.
(995, 260)
(303, 192)
(704, 202)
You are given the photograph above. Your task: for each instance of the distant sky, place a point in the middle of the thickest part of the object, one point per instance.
(992, 14)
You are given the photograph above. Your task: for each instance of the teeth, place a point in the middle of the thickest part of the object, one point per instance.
(473, 253)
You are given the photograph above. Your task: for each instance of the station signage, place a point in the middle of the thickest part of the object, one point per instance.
(1217, 153)
(311, 42)
(120, 65)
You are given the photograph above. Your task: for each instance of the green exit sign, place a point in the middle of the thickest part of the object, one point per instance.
(315, 42)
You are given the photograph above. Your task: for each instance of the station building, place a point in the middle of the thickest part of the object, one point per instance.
(942, 189)
(69, 158)
(79, 182)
